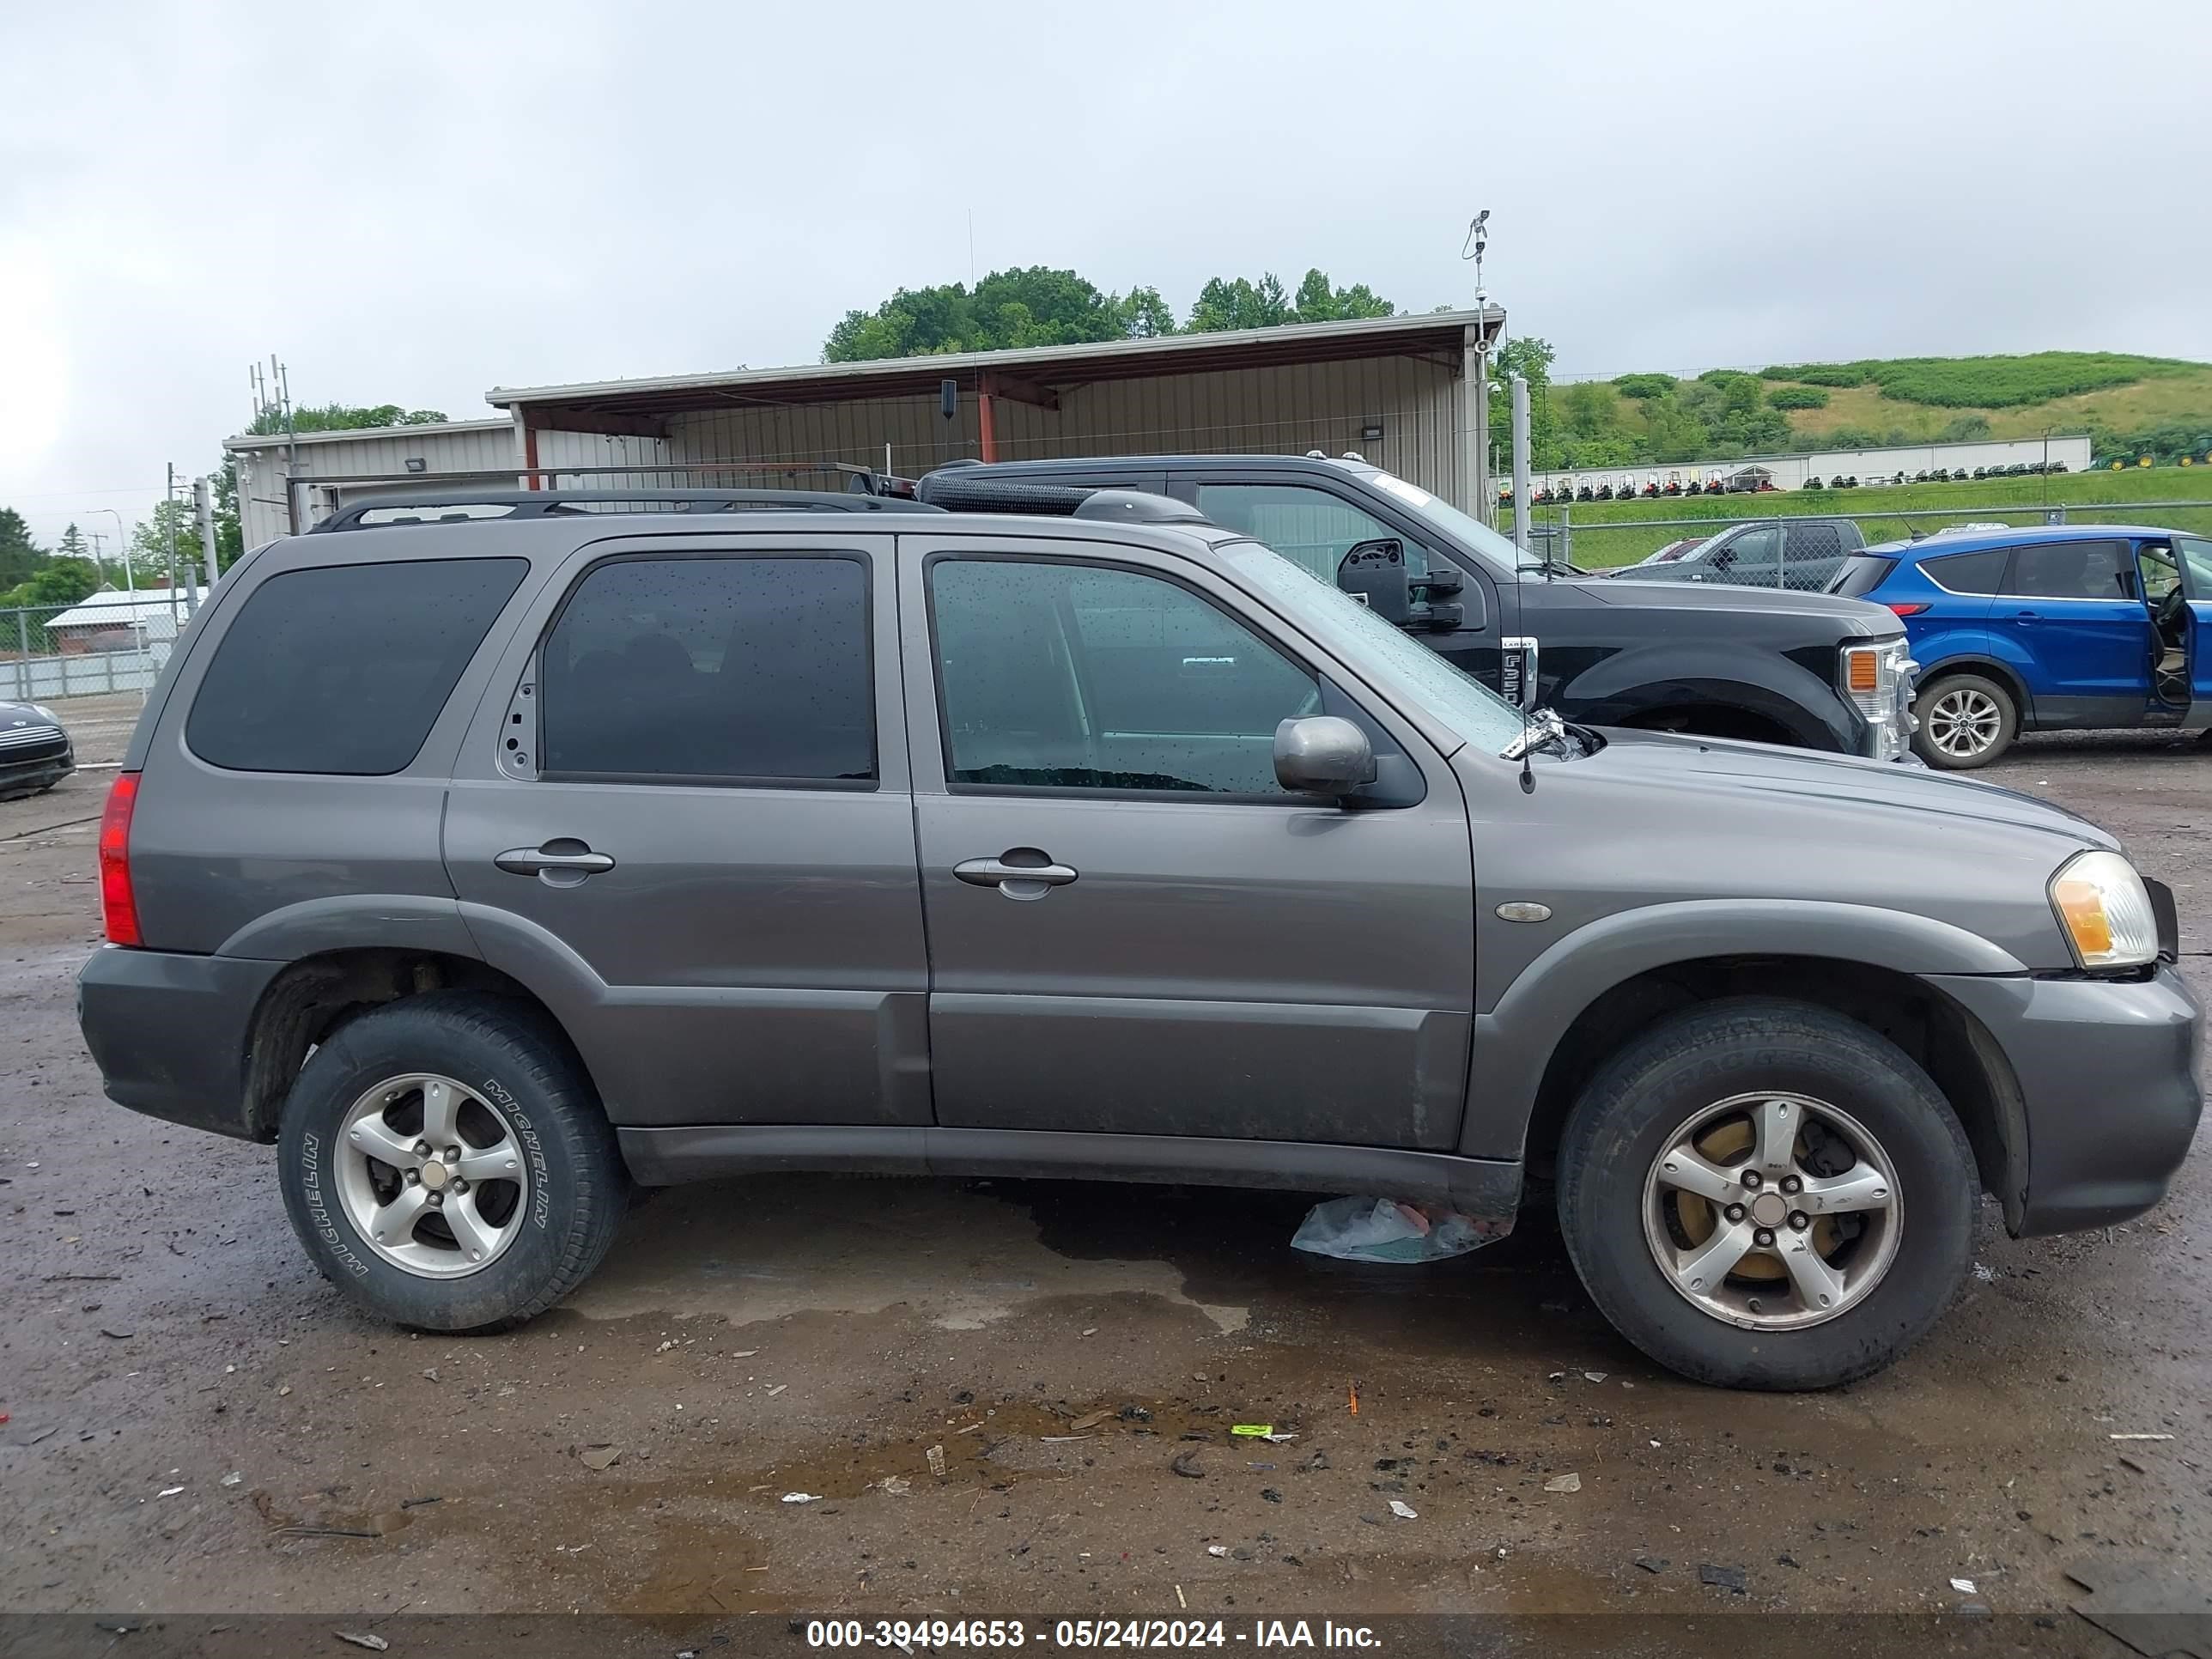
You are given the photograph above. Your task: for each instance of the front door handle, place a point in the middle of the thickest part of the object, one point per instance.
(1015, 881)
(554, 860)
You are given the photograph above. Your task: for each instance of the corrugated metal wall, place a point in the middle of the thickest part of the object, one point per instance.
(1325, 406)
(473, 447)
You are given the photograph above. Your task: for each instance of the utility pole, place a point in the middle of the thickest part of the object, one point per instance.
(1474, 451)
(204, 507)
(1521, 462)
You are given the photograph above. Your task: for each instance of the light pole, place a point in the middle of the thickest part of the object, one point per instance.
(122, 541)
(130, 587)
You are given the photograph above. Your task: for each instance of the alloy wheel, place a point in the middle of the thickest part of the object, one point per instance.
(432, 1175)
(1772, 1211)
(1964, 722)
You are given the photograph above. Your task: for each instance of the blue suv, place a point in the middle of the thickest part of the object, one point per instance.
(2057, 627)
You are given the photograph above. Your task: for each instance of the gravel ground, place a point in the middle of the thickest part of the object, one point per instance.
(198, 1424)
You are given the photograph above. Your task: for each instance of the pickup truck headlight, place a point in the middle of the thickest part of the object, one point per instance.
(2105, 911)
(1877, 678)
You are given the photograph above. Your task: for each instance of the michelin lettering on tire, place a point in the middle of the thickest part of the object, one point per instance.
(541, 1188)
(311, 1148)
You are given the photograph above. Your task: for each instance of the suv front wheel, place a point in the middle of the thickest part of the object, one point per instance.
(1765, 1195)
(445, 1161)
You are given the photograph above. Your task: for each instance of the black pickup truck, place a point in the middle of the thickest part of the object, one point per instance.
(1773, 667)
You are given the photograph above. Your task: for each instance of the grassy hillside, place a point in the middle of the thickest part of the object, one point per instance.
(1621, 532)
(2127, 408)
(2176, 392)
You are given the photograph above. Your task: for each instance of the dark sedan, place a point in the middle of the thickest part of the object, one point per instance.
(35, 753)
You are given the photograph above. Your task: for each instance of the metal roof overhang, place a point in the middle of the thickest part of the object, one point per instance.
(634, 406)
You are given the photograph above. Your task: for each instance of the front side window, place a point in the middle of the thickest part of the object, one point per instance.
(1082, 676)
(2196, 558)
(343, 670)
(1312, 528)
(2071, 570)
(1979, 573)
(712, 669)
(2161, 571)
(1755, 549)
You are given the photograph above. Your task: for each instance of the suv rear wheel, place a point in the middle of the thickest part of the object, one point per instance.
(1765, 1195)
(445, 1161)
(1966, 720)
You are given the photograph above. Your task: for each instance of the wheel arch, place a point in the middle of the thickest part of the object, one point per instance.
(1957, 1051)
(1989, 668)
(317, 994)
(1633, 686)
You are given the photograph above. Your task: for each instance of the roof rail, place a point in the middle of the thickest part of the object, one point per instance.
(958, 493)
(464, 506)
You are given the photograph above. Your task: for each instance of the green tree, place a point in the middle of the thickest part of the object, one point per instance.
(1030, 305)
(150, 547)
(62, 580)
(72, 544)
(1145, 315)
(344, 417)
(1223, 304)
(19, 555)
(1317, 302)
(1965, 429)
(1531, 357)
(1643, 387)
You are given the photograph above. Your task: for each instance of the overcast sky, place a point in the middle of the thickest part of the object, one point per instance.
(413, 203)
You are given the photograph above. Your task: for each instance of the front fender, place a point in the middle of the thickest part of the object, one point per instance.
(1644, 679)
(1515, 1040)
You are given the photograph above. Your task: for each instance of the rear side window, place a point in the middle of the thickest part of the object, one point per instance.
(1861, 574)
(345, 669)
(712, 669)
(1968, 573)
(2072, 570)
(1815, 541)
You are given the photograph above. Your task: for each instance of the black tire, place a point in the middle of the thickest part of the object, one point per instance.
(1924, 709)
(580, 1187)
(1646, 1092)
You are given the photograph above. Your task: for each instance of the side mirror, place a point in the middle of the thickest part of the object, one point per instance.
(1375, 573)
(1323, 755)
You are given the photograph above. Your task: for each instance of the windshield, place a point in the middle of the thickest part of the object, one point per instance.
(1471, 532)
(1452, 699)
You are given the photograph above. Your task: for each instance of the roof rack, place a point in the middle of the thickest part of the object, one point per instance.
(957, 492)
(462, 506)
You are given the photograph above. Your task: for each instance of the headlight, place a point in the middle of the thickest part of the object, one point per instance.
(2105, 911)
(1877, 678)
(46, 714)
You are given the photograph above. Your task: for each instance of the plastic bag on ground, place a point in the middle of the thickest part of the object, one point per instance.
(1385, 1229)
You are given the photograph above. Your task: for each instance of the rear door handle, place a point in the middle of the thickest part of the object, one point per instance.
(556, 857)
(1015, 881)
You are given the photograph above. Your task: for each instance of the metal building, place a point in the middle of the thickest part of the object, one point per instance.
(1790, 471)
(1403, 392)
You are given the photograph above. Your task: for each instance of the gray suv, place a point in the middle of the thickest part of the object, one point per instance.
(487, 867)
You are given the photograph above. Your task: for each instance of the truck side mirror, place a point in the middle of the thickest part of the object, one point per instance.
(1374, 572)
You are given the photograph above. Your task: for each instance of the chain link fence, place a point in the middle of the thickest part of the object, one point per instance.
(110, 643)
(1782, 550)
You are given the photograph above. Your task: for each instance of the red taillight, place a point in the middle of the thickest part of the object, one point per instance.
(1907, 608)
(119, 905)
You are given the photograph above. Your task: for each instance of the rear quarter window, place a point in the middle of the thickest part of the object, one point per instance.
(1861, 575)
(1981, 572)
(343, 670)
